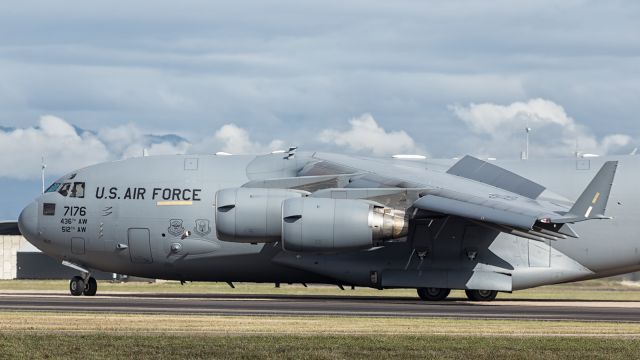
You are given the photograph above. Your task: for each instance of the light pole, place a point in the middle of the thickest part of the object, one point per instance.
(43, 166)
(526, 147)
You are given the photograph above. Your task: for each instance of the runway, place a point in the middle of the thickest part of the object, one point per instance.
(285, 305)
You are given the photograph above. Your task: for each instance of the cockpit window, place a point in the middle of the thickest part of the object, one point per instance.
(53, 188)
(77, 190)
(64, 189)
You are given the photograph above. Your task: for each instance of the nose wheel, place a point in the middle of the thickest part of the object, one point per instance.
(76, 286)
(91, 287)
(81, 286)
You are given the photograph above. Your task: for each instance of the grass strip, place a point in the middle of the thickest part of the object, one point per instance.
(151, 324)
(110, 346)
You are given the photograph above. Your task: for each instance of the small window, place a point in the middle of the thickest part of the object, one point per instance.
(77, 191)
(53, 188)
(64, 189)
(49, 209)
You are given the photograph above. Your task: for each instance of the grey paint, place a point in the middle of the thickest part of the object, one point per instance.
(36, 265)
(484, 172)
(250, 215)
(439, 249)
(325, 225)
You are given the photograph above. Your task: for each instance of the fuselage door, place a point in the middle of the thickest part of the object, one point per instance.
(139, 246)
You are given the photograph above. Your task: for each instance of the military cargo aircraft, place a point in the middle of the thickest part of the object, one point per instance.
(308, 217)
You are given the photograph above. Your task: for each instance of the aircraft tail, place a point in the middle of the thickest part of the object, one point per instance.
(592, 203)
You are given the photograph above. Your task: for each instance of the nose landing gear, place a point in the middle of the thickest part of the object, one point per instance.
(79, 286)
(91, 287)
(76, 286)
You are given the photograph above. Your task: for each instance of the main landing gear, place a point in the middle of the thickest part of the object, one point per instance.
(438, 294)
(481, 295)
(433, 294)
(83, 286)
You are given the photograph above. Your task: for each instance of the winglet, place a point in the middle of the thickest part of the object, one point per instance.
(593, 201)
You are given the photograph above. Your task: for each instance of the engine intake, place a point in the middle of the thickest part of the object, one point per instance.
(328, 225)
(248, 215)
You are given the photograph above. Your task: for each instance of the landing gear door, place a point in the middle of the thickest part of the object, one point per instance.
(139, 246)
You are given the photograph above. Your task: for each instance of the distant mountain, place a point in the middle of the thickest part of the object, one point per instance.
(81, 131)
(168, 138)
(150, 139)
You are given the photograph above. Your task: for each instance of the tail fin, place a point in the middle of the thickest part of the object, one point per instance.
(593, 201)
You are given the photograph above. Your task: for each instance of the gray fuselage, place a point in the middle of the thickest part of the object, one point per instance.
(154, 217)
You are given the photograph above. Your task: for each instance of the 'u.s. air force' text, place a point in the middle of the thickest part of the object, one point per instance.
(139, 193)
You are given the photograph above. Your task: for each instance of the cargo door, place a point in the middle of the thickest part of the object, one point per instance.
(139, 246)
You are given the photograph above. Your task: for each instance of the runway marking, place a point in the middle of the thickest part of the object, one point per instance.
(590, 304)
(219, 312)
(323, 306)
(90, 298)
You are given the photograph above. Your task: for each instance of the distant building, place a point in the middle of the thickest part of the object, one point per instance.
(21, 260)
(9, 247)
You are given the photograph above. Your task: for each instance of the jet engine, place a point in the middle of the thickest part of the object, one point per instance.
(249, 215)
(328, 225)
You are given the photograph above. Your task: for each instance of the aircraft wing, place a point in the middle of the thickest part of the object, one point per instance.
(9, 228)
(519, 210)
(471, 189)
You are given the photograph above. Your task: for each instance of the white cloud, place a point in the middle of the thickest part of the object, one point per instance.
(65, 148)
(235, 140)
(129, 141)
(554, 133)
(367, 136)
(54, 139)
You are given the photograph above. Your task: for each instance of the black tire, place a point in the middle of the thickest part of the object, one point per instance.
(481, 295)
(76, 286)
(433, 294)
(91, 288)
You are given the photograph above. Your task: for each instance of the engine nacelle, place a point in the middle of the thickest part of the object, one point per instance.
(248, 215)
(328, 225)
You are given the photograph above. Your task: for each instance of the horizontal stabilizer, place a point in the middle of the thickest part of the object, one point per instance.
(593, 201)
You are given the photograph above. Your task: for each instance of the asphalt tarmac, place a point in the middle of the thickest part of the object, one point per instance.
(284, 305)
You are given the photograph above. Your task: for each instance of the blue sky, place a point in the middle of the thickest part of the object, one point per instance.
(443, 78)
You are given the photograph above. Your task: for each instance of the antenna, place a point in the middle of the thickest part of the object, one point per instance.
(42, 167)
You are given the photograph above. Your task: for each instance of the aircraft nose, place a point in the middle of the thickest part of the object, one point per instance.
(28, 221)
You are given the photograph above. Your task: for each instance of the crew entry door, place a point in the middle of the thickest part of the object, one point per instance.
(140, 246)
